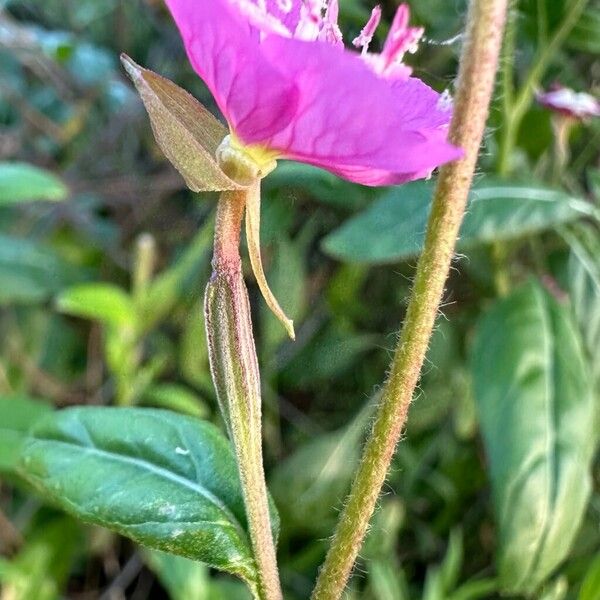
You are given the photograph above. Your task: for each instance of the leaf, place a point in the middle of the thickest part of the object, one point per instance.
(186, 132)
(536, 409)
(590, 588)
(102, 302)
(288, 278)
(392, 229)
(328, 354)
(584, 288)
(20, 182)
(183, 578)
(178, 398)
(31, 272)
(167, 481)
(186, 579)
(318, 184)
(17, 415)
(585, 36)
(164, 291)
(41, 568)
(387, 581)
(253, 240)
(309, 484)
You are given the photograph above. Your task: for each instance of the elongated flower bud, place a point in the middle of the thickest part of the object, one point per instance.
(233, 362)
(236, 377)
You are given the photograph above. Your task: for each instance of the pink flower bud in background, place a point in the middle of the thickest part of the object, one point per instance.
(569, 103)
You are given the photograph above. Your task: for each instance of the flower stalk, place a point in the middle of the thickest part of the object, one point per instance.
(236, 377)
(478, 67)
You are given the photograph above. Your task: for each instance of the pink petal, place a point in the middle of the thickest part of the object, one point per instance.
(256, 99)
(354, 123)
(287, 11)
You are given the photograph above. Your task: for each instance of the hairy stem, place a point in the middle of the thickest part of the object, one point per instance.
(477, 74)
(236, 377)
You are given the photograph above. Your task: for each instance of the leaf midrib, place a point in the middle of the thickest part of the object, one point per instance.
(160, 472)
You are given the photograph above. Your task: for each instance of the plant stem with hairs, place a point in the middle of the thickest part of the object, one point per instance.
(477, 75)
(234, 369)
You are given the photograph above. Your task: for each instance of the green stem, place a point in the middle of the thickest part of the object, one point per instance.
(479, 63)
(234, 368)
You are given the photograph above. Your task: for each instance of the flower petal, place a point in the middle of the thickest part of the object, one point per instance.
(349, 120)
(256, 99)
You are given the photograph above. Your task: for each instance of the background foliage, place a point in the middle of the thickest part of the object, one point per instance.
(103, 258)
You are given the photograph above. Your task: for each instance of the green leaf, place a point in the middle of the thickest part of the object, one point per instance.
(41, 568)
(164, 291)
(178, 398)
(167, 481)
(536, 409)
(17, 415)
(387, 581)
(392, 229)
(584, 288)
(186, 579)
(103, 302)
(590, 588)
(309, 485)
(183, 578)
(585, 36)
(288, 278)
(31, 272)
(186, 132)
(20, 182)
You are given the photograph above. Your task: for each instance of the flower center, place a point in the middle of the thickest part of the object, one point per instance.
(245, 164)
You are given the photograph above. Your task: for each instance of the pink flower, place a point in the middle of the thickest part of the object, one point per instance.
(288, 88)
(570, 103)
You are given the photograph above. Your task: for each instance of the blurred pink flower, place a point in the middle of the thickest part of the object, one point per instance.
(289, 89)
(570, 103)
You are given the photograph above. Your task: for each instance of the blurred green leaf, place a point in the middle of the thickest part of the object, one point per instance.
(585, 36)
(536, 410)
(103, 302)
(171, 284)
(387, 581)
(328, 354)
(17, 415)
(287, 278)
(31, 272)
(183, 578)
(310, 483)
(584, 288)
(392, 229)
(475, 590)
(590, 588)
(20, 182)
(167, 481)
(186, 579)
(177, 398)
(318, 184)
(41, 568)
(193, 353)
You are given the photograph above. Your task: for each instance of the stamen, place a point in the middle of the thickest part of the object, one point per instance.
(331, 31)
(366, 35)
(311, 20)
(259, 16)
(401, 38)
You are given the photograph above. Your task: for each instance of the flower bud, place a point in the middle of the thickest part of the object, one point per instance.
(232, 353)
